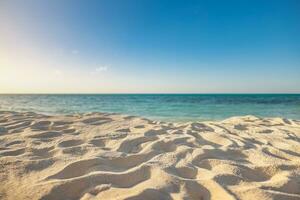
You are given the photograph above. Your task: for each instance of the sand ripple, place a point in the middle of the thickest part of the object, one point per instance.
(110, 156)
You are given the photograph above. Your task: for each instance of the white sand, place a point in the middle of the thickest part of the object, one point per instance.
(106, 156)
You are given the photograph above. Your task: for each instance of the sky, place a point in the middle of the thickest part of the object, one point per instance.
(149, 46)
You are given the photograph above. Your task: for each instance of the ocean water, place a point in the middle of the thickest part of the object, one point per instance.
(165, 107)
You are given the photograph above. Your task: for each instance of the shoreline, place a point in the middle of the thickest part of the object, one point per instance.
(113, 156)
(141, 117)
(159, 107)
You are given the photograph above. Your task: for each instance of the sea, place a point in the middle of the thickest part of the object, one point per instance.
(162, 107)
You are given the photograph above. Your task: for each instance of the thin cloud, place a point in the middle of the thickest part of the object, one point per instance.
(101, 68)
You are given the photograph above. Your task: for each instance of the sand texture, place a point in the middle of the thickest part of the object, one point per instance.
(112, 156)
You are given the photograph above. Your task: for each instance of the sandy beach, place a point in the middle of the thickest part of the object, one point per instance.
(149, 100)
(112, 156)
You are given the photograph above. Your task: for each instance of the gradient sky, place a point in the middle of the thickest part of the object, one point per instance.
(149, 46)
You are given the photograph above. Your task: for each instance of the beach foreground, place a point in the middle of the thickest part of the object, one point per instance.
(112, 156)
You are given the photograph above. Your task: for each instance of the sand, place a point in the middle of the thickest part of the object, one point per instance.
(112, 156)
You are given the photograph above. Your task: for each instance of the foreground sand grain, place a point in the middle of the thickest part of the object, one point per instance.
(110, 156)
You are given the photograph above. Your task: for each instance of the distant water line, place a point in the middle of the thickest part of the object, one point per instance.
(165, 107)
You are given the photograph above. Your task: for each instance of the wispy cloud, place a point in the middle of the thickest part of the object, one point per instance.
(102, 68)
(99, 70)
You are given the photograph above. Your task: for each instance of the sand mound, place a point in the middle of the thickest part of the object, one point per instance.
(109, 156)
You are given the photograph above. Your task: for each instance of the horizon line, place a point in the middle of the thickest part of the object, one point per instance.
(154, 93)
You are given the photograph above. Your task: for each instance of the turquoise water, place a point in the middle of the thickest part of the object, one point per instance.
(166, 107)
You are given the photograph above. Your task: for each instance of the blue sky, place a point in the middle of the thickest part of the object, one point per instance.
(149, 46)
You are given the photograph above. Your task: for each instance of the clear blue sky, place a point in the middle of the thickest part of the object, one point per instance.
(149, 46)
